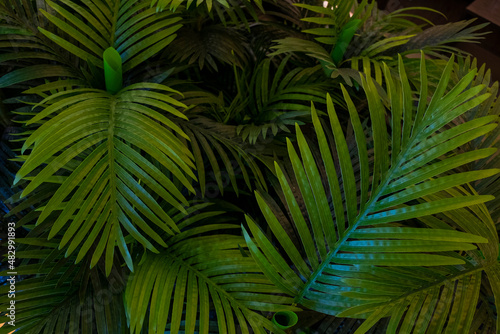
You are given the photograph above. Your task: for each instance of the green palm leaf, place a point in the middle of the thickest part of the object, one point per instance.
(208, 44)
(231, 8)
(380, 37)
(436, 39)
(426, 307)
(136, 31)
(227, 157)
(310, 48)
(197, 273)
(95, 140)
(429, 300)
(367, 224)
(331, 20)
(490, 107)
(55, 296)
(278, 99)
(23, 46)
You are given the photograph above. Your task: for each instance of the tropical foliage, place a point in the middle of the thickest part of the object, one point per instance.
(328, 159)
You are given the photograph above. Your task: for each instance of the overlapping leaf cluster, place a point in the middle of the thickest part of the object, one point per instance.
(292, 158)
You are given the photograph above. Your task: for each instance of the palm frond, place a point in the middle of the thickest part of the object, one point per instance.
(209, 45)
(182, 284)
(382, 33)
(490, 107)
(367, 226)
(434, 300)
(436, 39)
(278, 99)
(223, 8)
(335, 16)
(24, 48)
(430, 308)
(381, 37)
(54, 296)
(218, 143)
(310, 48)
(237, 13)
(99, 145)
(134, 30)
(328, 24)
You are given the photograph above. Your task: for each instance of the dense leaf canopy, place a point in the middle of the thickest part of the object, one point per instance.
(324, 158)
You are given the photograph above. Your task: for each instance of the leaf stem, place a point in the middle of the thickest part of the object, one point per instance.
(387, 179)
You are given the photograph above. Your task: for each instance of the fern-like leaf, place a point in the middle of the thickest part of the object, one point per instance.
(367, 226)
(100, 144)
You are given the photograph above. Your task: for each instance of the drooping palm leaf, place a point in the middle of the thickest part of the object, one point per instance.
(221, 157)
(46, 308)
(331, 20)
(134, 29)
(432, 299)
(24, 48)
(55, 296)
(372, 47)
(223, 8)
(443, 300)
(142, 132)
(381, 37)
(208, 45)
(382, 33)
(367, 225)
(435, 40)
(99, 145)
(198, 273)
(328, 28)
(226, 154)
(278, 99)
(491, 140)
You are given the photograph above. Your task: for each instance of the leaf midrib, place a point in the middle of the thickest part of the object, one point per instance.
(379, 191)
(115, 21)
(440, 282)
(207, 280)
(111, 161)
